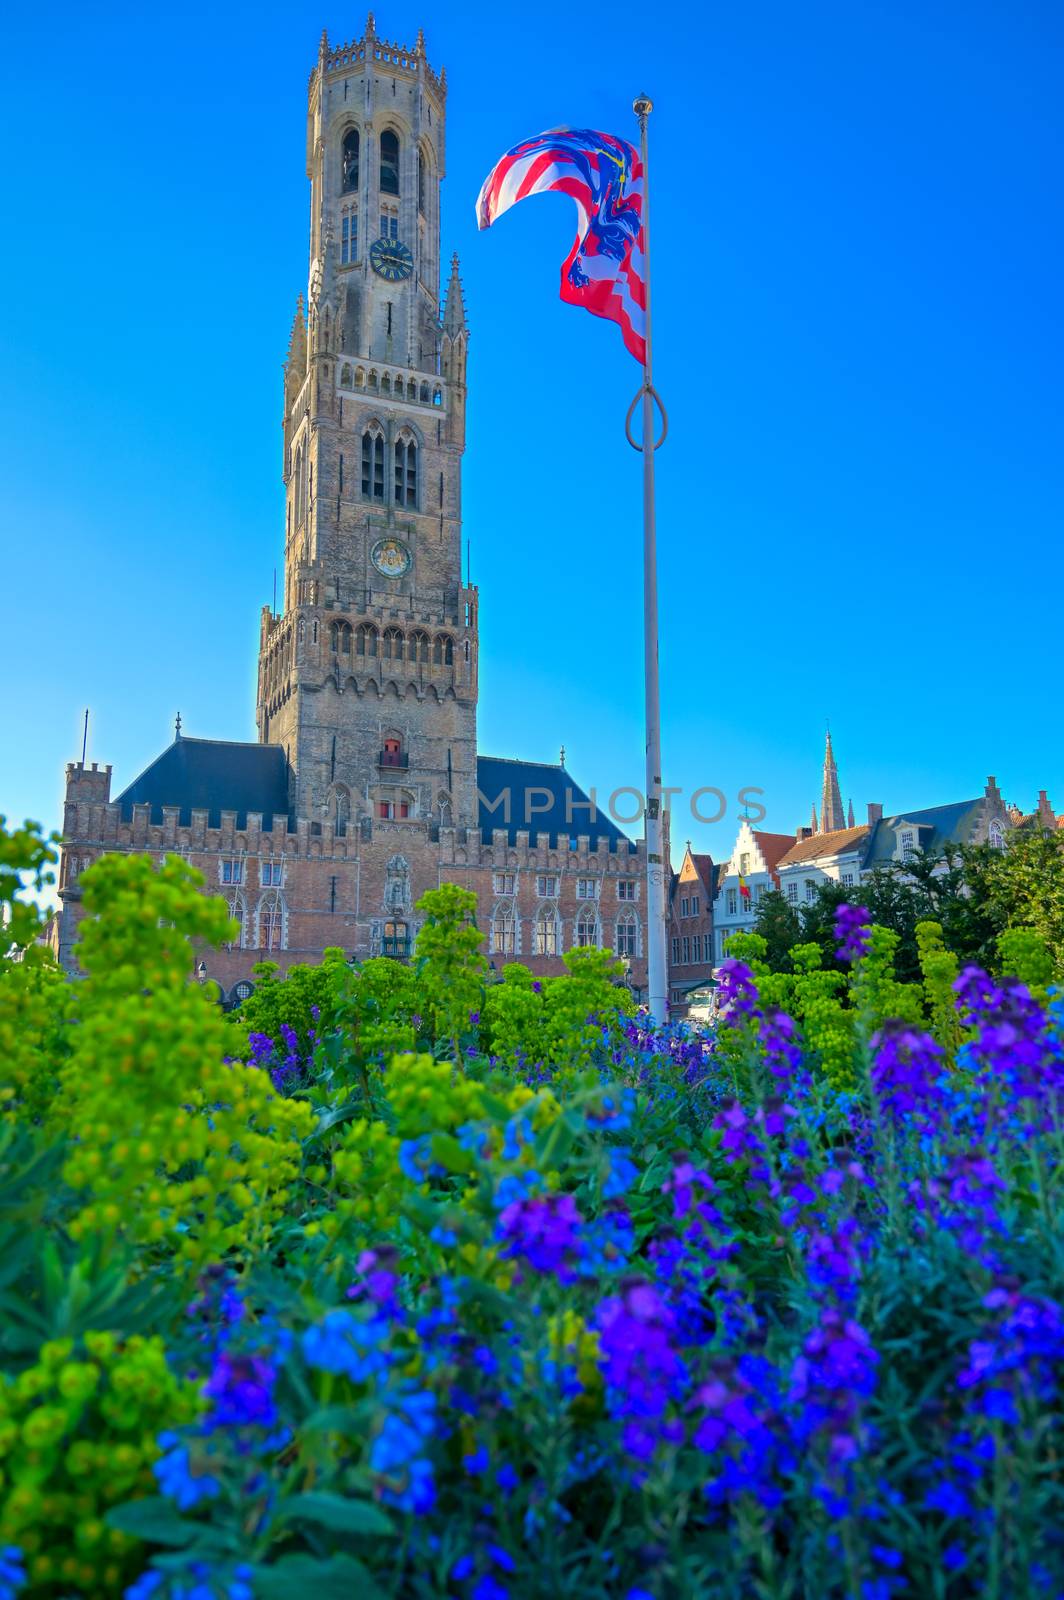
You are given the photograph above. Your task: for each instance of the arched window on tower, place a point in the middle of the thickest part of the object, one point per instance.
(340, 638)
(996, 836)
(393, 645)
(406, 470)
(421, 182)
(587, 928)
(373, 464)
(443, 650)
(389, 162)
(366, 640)
(419, 647)
(349, 160)
(342, 813)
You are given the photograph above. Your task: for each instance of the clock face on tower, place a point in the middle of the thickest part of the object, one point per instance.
(390, 557)
(391, 259)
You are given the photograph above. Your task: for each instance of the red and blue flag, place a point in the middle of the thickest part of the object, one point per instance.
(605, 270)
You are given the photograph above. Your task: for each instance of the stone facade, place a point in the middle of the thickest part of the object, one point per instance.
(366, 788)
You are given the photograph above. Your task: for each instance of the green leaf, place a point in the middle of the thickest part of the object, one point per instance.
(335, 1578)
(153, 1520)
(335, 1512)
(449, 1153)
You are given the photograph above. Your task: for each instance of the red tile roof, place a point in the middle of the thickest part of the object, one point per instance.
(824, 844)
(774, 847)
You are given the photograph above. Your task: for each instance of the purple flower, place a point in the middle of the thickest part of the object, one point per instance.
(545, 1233)
(853, 928)
(241, 1387)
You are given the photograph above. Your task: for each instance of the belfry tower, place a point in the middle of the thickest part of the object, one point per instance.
(368, 679)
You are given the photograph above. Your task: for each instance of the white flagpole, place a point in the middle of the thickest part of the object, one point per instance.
(657, 970)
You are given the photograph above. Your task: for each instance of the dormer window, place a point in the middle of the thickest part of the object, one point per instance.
(996, 836)
(908, 844)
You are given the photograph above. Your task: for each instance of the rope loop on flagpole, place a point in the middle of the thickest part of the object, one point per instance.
(655, 396)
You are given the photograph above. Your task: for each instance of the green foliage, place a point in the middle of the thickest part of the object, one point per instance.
(556, 1021)
(939, 967)
(78, 1434)
(294, 999)
(172, 1141)
(450, 970)
(24, 853)
(35, 1000)
(1022, 886)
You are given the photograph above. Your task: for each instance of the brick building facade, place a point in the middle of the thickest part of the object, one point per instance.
(365, 787)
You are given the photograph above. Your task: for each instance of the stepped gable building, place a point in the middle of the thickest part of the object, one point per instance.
(754, 861)
(365, 787)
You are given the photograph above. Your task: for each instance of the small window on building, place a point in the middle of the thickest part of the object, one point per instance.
(792, 891)
(545, 933)
(732, 901)
(847, 880)
(587, 929)
(271, 874)
(406, 471)
(547, 886)
(626, 889)
(373, 464)
(587, 888)
(697, 943)
(810, 890)
(686, 951)
(684, 906)
(676, 952)
(694, 905)
(908, 844)
(996, 836)
(627, 932)
(232, 872)
(503, 882)
(744, 863)
(348, 239)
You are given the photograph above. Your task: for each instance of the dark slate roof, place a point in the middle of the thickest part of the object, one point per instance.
(935, 826)
(535, 811)
(212, 775)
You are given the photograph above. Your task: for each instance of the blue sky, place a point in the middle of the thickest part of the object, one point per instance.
(858, 259)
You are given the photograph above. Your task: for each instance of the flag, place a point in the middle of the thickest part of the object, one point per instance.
(605, 270)
(744, 888)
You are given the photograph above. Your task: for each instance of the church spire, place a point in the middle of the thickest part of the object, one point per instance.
(816, 828)
(454, 317)
(849, 817)
(832, 816)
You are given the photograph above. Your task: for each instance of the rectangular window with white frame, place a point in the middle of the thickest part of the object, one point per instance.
(546, 886)
(694, 905)
(847, 880)
(232, 871)
(503, 882)
(686, 951)
(626, 888)
(684, 907)
(676, 952)
(349, 238)
(810, 890)
(698, 946)
(271, 874)
(732, 901)
(587, 888)
(792, 891)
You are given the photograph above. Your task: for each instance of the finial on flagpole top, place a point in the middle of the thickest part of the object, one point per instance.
(561, 756)
(177, 726)
(642, 105)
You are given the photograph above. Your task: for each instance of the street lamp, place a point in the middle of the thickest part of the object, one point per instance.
(201, 972)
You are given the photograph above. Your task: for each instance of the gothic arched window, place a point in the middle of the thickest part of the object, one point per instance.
(627, 935)
(996, 836)
(587, 928)
(503, 929)
(349, 160)
(419, 647)
(340, 638)
(373, 464)
(389, 162)
(393, 645)
(443, 650)
(421, 182)
(406, 470)
(342, 812)
(366, 640)
(239, 913)
(273, 935)
(545, 932)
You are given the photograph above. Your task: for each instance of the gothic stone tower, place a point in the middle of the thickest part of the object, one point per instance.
(369, 679)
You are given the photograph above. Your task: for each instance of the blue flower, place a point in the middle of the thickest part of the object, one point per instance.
(415, 1159)
(344, 1343)
(464, 1567)
(146, 1585)
(514, 1187)
(622, 1174)
(12, 1571)
(176, 1478)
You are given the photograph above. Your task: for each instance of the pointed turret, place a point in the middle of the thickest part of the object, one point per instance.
(816, 828)
(454, 316)
(849, 817)
(295, 365)
(371, 26)
(832, 816)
